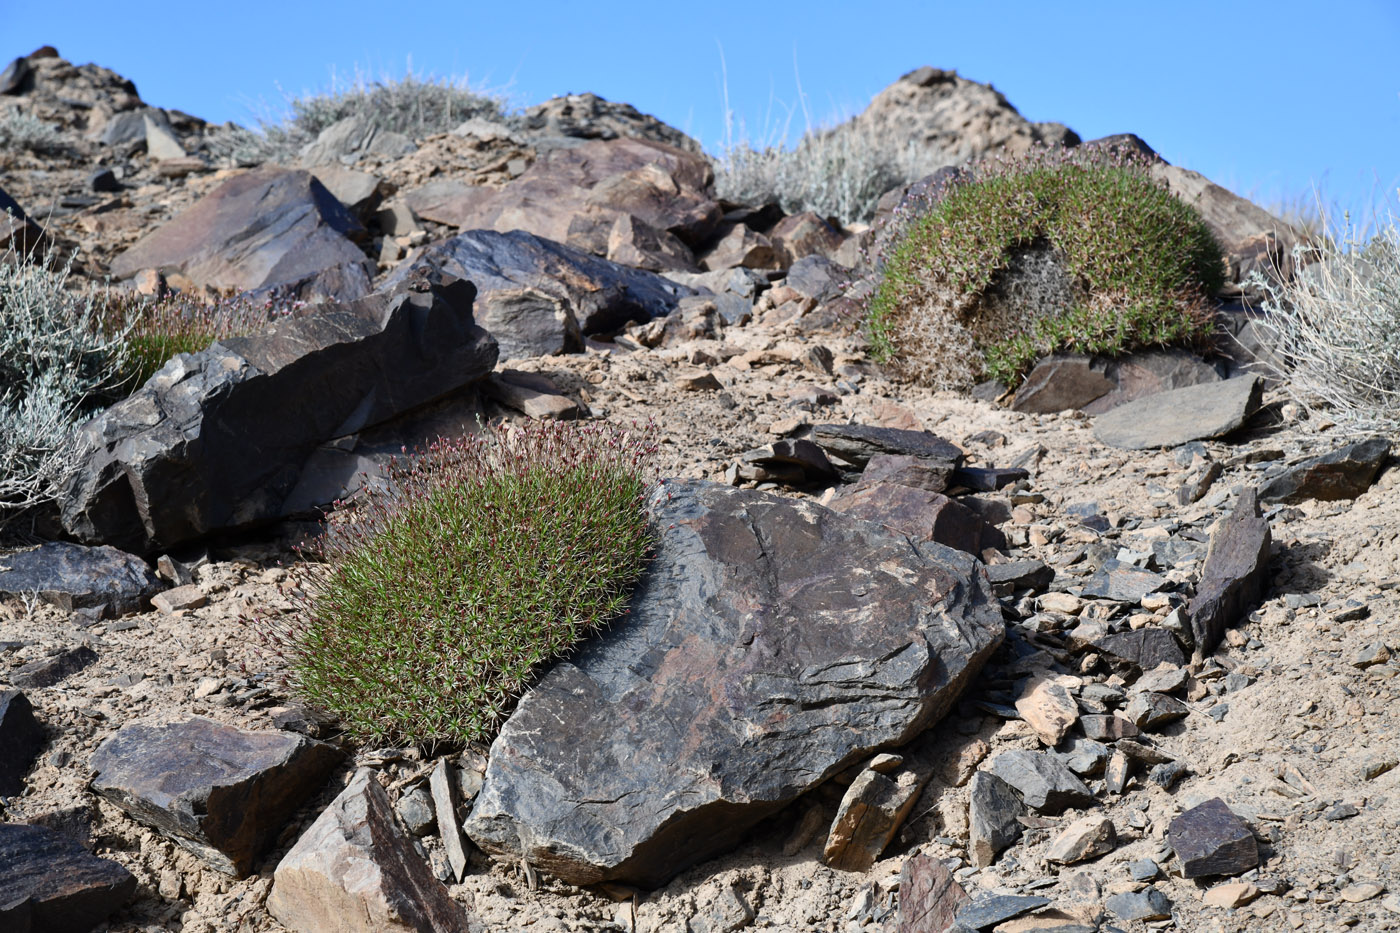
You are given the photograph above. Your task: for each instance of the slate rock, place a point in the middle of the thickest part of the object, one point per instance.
(929, 897)
(1061, 382)
(266, 230)
(1344, 473)
(1044, 782)
(1145, 648)
(850, 446)
(992, 811)
(1150, 710)
(348, 140)
(532, 394)
(818, 640)
(74, 577)
(1144, 905)
(1235, 574)
(418, 811)
(195, 452)
(871, 812)
(987, 479)
(104, 181)
(1179, 416)
(223, 793)
(904, 470)
(444, 791)
(49, 883)
(355, 870)
(127, 129)
(536, 296)
(1085, 756)
(1024, 574)
(1210, 839)
(54, 669)
(990, 909)
(18, 231)
(922, 515)
(795, 463)
(1122, 582)
(21, 737)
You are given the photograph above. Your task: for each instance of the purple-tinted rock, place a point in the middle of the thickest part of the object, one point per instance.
(769, 644)
(71, 577)
(49, 883)
(1344, 473)
(920, 514)
(223, 793)
(269, 229)
(904, 470)
(1210, 839)
(1235, 573)
(850, 446)
(929, 898)
(197, 450)
(21, 737)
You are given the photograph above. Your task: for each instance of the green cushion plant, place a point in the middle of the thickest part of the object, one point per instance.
(441, 596)
(1143, 266)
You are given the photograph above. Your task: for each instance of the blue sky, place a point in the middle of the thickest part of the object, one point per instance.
(1268, 98)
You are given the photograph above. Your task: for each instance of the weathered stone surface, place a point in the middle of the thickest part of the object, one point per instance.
(1179, 416)
(1144, 648)
(817, 639)
(221, 792)
(987, 479)
(1210, 839)
(929, 898)
(1235, 573)
(55, 668)
(161, 141)
(795, 463)
(920, 514)
(347, 140)
(360, 192)
(269, 229)
(1150, 372)
(535, 295)
(195, 452)
(802, 235)
(1231, 894)
(49, 883)
(1150, 710)
(17, 230)
(904, 470)
(817, 277)
(1044, 782)
(1122, 582)
(1107, 728)
(1060, 383)
(532, 394)
(992, 809)
(1344, 473)
(21, 737)
(1147, 904)
(1083, 839)
(17, 76)
(871, 812)
(850, 446)
(738, 246)
(72, 577)
(444, 791)
(354, 870)
(181, 597)
(1026, 574)
(990, 909)
(559, 120)
(1047, 707)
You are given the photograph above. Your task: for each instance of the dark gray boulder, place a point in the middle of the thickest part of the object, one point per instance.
(220, 439)
(50, 883)
(21, 737)
(1344, 473)
(54, 669)
(266, 230)
(223, 793)
(1096, 384)
(1235, 573)
(1045, 783)
(850, 446)
(769, 644)
(920, 514)
(71, 577)
(1210, 839)
(538, 297)
(1193, 413)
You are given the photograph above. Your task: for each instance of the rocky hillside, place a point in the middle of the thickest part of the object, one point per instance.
(1108, 650)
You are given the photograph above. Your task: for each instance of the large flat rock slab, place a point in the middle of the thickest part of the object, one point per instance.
(71, 577)
(1192, 413)
(355, 870)
(770, 643)
(223, 793)
(49, 882)
(267, 229)
(220, 439)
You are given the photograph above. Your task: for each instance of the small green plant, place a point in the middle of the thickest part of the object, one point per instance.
(435, 604)
(1139, 268)
(1335, 327)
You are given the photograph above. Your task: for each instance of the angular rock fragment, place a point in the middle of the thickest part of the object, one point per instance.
(53, 669)
(1122, 582)
(1047, 707)
(1145, 648)
(1210, 839)
(223, 793)
(1147, 904)
(1025, 574)
(987, 479)
(795, 463)
(929, 898)
(992, 811)
(1083, 839)
(265, 229)
(531, 394)
(817, 639)
(18, 231)
(21, 737)
(1150, 710)
(355, 870)
(1344, 473)
(444, 791)
(871, 812)
(73, 577)
(850, 446)
(50, 883)
(990, 909)
(922, 515)
(1234, 575)
(904, 470)
(1172, 418)
(1043, 781)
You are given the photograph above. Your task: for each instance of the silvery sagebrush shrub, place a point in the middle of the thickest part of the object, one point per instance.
(57, 360)
(20, 129)
(428, 607)
(1335, 327)
(1143, 267)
